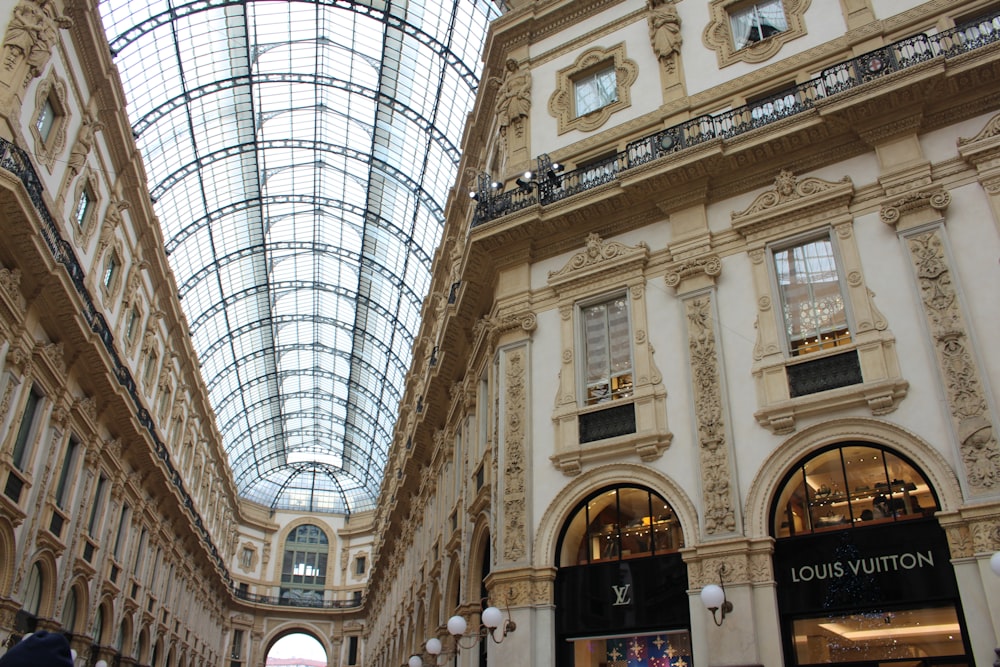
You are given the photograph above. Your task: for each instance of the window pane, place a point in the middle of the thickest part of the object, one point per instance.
(635, 521)
(757, 21)
(46, 118)
(811, 298)
(596, 90)
(878, 635)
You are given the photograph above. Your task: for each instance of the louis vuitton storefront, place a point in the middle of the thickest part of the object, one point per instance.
(621, 589)
(863, 571)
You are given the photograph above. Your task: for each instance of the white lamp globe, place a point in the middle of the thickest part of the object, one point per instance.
(433, 646)
(712, 596)
(995, 563)
(492, 617)
(415, 661)
(101, 663)
(457, 625)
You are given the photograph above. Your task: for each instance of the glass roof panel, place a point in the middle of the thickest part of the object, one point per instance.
(299, 157)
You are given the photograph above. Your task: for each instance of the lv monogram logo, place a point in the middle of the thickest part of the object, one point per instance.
(622, 595)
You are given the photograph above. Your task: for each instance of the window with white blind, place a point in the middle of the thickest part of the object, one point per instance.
(607, 342)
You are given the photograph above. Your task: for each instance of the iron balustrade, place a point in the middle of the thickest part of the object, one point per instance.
(295, 602)
(495, 203)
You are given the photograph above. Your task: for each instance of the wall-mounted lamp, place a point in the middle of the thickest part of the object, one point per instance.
(714, 598)
(995, 563)
(485, 187)
(493, 621)
(525, 180)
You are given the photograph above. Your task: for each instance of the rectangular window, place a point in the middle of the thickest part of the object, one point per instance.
(607, 341)
(83, 206)
(138, 554)
(352, 650)
(132, 324)
(246, 558)
(756, 21)
(24, 432)
(359, 565)
(111, 270)
(46, 119)
(97, 508)
(62, 487)
(595, 90)
(237, 651)
(812, 300)
(122, 532)
(147, 372)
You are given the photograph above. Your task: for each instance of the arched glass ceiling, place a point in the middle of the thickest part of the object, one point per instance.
(299, 156)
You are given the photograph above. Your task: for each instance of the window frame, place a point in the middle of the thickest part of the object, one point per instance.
(562, 102)
(797, 209)
(780, 302)
(51, 92)
(718, 34)
(595, 75)
(595, 273)
(753, 6)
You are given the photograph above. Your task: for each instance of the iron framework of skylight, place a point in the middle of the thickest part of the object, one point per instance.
(299, 157)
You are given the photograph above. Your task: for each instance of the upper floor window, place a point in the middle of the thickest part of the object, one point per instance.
(607, 343)
(66, 473)
(46, 119)
(303, 567)
(812, 298)
(84, 206)
(24, 432)
(111, 269)
(756, 21)
(595, 90)
(360, 564)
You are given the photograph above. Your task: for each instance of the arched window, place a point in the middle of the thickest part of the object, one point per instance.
(862, 567)
(33, 590)
(623, 522)
(69, 611)
(851, 485)
(303, 568)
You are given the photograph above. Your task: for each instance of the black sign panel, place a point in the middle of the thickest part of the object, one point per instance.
(622, 596)
(892, 564)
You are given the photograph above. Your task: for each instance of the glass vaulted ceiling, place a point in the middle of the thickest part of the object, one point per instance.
(299, 156)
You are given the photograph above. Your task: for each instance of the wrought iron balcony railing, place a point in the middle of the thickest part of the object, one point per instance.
(492, 202)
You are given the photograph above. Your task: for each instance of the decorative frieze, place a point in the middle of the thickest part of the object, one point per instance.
(971, 414)
(514, 456)
(717, 493)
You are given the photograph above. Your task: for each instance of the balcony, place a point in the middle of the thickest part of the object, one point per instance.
(550, 186)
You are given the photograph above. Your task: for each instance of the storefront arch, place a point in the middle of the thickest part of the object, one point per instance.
(802, 444)
(862, 566)
(621, 585)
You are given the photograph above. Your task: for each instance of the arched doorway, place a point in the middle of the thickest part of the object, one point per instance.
(863, 570)
(297, 649)
(621, 588)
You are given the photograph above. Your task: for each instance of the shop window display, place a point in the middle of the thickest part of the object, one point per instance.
(853, 485)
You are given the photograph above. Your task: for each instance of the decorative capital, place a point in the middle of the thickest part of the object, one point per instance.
(914, 202)
(710, 266)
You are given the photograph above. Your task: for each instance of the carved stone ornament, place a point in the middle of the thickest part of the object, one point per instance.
(515, 464)
(717, 493)
(599, 256)
(665, 32)
(709, 266)
(892, 212)
(56, 354)
(807, 200)
(10, 282)
(32, 32)
(970, 411)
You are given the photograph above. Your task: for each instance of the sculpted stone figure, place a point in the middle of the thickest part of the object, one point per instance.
(31, 34)
(514, 96)
(665, 32)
